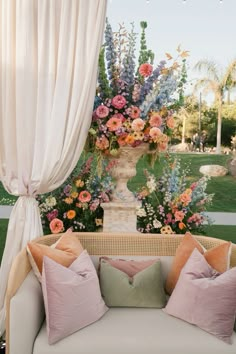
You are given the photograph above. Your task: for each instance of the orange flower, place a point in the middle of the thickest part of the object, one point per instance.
(102, 143)
(71, 214)
(129, 139)
(182, 225)
(68, 200)
(122, 139)
(84, 197)
(113, 124)
(170, 122)
(185, 198)
(145, 69)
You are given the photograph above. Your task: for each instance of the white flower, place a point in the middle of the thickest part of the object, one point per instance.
(157, 224)
(141, 212)
(51, 201)
(151, 184)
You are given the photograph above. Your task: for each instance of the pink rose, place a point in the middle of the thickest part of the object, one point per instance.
(179, 215)
(145, 69)
(84, 197)
(155, 120)
(102, 111)
(137, 124)
(134, 112)
(56, 226)
(118, 101)
(155, 133)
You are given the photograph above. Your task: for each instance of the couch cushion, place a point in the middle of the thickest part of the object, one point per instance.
(205, 297)
(72, 296)
(64, 252)
(136, 331)
(218, 257)
(142, 288)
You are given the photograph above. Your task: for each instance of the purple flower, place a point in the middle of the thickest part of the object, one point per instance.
(67, 190)
(52, 215)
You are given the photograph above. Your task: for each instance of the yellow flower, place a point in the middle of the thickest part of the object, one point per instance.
(71, 214)
(74, 195)
(98, 222)
(68, 200)
(79, 183)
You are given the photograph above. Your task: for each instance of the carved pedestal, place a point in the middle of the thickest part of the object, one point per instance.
(120, 213)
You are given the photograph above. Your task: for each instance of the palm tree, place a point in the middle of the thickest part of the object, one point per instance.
(219, 82)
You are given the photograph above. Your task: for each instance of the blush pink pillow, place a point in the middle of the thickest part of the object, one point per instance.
(72, 296)
(129, 267)
(205, 298)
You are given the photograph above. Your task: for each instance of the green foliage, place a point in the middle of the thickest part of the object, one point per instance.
(145, 55)
(102, 75)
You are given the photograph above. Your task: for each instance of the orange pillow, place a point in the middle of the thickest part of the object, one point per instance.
(218, 257)
(64, 251)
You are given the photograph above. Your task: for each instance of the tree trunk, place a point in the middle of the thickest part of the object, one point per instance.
(228, 96)
(184, 128)
(219, 124)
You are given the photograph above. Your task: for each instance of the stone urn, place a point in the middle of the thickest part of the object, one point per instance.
(120, 213)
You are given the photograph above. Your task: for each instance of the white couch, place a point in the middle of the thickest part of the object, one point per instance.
(120, 330)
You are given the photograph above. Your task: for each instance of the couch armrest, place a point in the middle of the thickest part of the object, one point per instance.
(26, 316)
(24, 306)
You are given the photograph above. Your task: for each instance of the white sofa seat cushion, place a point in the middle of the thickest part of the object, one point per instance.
(136, 331)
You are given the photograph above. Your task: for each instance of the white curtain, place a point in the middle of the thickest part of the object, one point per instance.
(48, 69)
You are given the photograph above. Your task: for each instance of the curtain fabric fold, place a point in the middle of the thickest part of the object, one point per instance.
(48, 69)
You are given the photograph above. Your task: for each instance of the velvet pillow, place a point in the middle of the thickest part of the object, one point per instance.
(64, 252)
(72, 296)
(218, 257)
(204, 297)
(138, 288)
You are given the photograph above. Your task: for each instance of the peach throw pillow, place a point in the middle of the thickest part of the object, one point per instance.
(218, 257)
(64, 251)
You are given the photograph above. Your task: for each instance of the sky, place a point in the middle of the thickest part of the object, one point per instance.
(207, 28)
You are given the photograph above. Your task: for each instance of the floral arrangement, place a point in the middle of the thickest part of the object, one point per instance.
(132, 105)
(170, 205)
(77, 204)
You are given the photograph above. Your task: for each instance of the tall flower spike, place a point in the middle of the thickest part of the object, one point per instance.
(127, 73)
(110, 55)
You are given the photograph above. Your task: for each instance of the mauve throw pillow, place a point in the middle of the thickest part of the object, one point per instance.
(143, 289)
(72, 296)
(205, 298)
(64, 251)
(218, 257)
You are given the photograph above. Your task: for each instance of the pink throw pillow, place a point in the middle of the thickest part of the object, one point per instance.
(205, 298)
(72, 296)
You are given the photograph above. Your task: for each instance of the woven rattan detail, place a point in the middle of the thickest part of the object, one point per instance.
(135, 244)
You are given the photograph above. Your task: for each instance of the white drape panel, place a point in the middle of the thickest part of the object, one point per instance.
(48, 70)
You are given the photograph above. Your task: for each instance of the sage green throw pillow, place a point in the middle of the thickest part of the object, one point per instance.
(144, 289)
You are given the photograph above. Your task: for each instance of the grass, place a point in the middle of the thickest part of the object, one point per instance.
(3, 231)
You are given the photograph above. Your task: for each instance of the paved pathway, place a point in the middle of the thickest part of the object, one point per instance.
(217, 217)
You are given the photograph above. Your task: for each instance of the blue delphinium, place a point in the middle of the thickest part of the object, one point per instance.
(128, 69)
